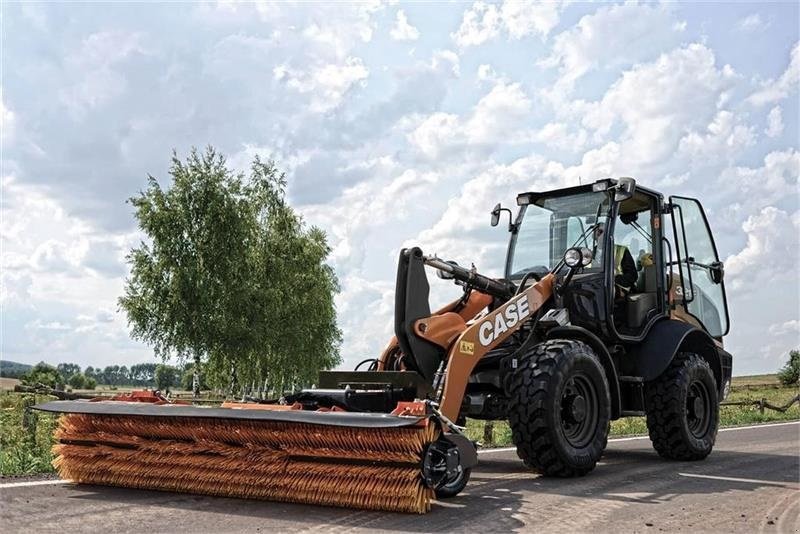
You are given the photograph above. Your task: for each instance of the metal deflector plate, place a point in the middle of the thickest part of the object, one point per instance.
(351, 419)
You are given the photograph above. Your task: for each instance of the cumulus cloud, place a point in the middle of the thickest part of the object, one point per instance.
(617, 35)
(403, 31)
(774, 122)
(485, 21)
(653, 128)
(327, 83)
(495, 114)
(771, 237)
(775, 90)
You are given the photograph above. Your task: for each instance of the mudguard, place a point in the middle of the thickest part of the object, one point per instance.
(665, 340)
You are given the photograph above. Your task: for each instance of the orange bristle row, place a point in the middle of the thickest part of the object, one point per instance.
(369, 468)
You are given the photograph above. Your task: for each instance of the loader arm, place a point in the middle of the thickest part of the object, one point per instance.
(486, 334)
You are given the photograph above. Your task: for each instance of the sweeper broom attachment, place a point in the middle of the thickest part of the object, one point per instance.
(355, 460)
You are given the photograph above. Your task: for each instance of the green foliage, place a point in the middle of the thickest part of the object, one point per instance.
(66, 370)
(77, 381)
(790, 373)
(166, 376)
(89, 383)
(25, 450)
(44, 374)
(231, 276)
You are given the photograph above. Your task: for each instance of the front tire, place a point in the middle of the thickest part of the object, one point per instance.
(559, 408)
(683, 409)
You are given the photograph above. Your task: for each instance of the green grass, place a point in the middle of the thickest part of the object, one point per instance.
(631, 426)
(24, 451)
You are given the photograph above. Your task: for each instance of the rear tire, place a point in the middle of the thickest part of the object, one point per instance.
(559, 408)
(683, 409)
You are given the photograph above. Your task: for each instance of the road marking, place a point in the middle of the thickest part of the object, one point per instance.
(744, 480)
(767, 425)
(634, 438)
(33, 483)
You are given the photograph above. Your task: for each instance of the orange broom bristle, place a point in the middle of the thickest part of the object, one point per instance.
(370, 468)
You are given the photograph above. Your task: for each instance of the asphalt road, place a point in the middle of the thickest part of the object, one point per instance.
(750, 483)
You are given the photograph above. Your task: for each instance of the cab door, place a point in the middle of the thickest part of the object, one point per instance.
(701, 288)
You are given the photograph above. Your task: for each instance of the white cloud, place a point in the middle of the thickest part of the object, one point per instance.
(616, 35)
(558, 135)
(94, 65)
(326, 83)
(522, 18)
(723, 140)
(479, 24)
(485, 21)
(752, 23)
(654, 126)
(771, 240)
(788, 327)
(491, 122)
(402, 30)
(776, 90)
(774, 122)
(51, 277)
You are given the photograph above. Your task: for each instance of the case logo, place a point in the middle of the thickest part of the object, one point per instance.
(503, 320)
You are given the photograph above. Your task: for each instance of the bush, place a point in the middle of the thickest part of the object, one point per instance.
(90, 383)
(790, 373)
(165, 376)
(77, 381)
(43, 374)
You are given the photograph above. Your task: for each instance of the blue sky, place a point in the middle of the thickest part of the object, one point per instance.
(398, 124)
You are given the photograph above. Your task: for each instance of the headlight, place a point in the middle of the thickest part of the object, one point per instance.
(573, 257)
(586, 257)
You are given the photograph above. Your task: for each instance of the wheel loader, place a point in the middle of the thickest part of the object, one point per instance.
(612, 305)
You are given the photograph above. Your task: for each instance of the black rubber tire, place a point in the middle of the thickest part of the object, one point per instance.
(454, 487)
(536, 410)
(671, 419)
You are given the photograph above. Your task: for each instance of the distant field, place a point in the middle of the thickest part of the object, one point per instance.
(756, 380)
(7, 384)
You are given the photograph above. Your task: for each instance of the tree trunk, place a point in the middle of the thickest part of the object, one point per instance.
(196, 376)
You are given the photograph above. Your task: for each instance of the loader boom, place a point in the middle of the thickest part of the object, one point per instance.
(486, 334)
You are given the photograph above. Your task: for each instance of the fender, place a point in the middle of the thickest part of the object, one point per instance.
(581, 334)
(665, 340)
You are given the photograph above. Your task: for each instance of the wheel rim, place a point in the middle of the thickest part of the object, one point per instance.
(580, 410)
(698, 409)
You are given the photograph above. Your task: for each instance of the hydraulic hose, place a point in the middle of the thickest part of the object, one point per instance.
(471, 278)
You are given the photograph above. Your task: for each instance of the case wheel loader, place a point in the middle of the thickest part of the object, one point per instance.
(612, 305)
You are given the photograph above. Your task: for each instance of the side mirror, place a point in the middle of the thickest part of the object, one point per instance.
(717, 272)
(496, 214)
(625, 189)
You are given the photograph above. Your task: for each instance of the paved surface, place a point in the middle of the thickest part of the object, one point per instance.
(750, 483)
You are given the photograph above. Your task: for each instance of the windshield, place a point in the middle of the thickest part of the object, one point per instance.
(552, 225)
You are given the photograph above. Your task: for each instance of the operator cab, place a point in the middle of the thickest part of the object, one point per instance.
(619, 292)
